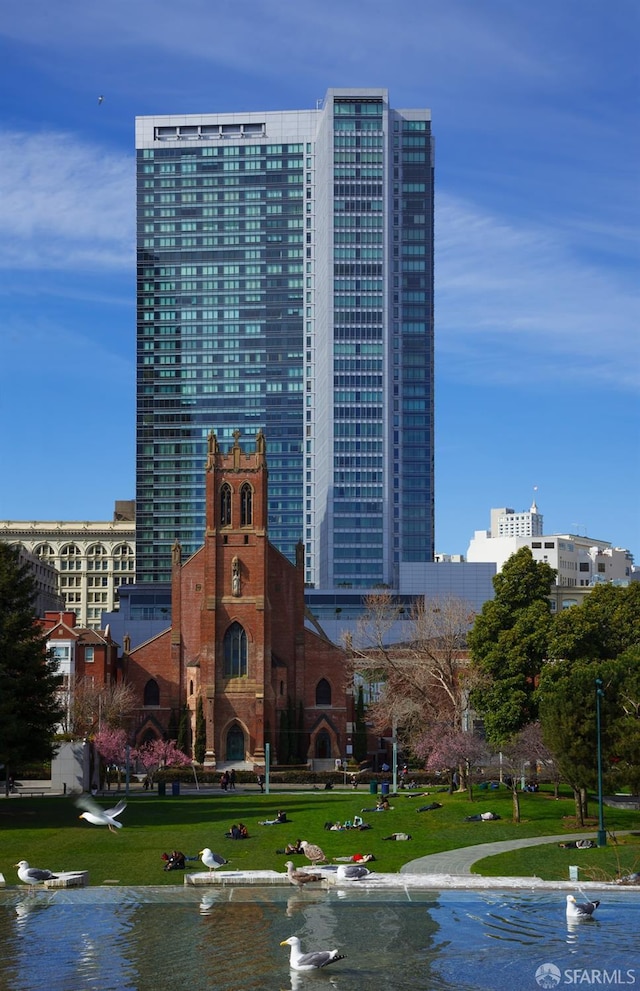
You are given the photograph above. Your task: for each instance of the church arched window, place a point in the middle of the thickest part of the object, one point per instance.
(235, 652)
(246, 505)
(323, 692)
(225, 505)
(151, 693)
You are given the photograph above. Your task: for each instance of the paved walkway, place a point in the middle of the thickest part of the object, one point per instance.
(460, 861)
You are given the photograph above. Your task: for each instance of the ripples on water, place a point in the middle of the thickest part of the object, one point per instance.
(225, 939)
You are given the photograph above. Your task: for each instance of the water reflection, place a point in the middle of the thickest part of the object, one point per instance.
(125, 939)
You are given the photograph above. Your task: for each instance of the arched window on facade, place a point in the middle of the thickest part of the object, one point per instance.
(45, 552)
(71, 556)
(323, 745)
(323, 692)
(151, 693)
(225, 505)
(235, 652)
(246, 505)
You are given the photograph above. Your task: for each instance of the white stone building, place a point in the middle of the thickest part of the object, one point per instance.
(580, 561)
(92, 559)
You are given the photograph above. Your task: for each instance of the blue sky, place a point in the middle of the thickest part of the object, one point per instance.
(536, 116)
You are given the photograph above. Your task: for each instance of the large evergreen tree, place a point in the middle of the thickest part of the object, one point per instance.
(29, 705)
(508, 643)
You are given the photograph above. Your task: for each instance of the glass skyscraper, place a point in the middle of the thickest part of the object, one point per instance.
(285, 282)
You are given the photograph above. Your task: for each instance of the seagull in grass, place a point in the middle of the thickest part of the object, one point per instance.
(211, 860)
(299, 877)
(98, 816)
(313, 852)
(33, 875)
(580, 910)
(351, 872)
(309, 961)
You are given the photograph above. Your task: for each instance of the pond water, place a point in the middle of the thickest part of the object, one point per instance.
(227, 939)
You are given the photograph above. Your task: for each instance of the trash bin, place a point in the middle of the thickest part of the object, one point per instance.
(162, 787)
(373, 787)
(175, 788)
(385, 788)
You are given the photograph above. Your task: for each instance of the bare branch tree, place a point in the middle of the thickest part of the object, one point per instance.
(92, 705)
(418, 681)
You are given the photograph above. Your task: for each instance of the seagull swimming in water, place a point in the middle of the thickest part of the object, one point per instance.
(211, 860)
(98, 816)
(300, 878)
(351, 872)
(580, 910)
(309, 961)
(33, 875)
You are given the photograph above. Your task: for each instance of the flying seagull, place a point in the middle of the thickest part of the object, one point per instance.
(33, 875)
(351, 872)
(100, 100)
(300, 878)
(211, 860)
(309, 961)
(580, 910)
(98, 816)
(313, 852)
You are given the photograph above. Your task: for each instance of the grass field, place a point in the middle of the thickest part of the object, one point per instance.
(48, 833)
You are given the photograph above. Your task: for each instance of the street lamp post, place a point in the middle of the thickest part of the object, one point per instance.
(602, 834)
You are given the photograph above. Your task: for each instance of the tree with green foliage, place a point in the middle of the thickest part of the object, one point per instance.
(30, 708)
(200, 745)
(604, 625)
(598, 638)
(567, 703)
(509, 643)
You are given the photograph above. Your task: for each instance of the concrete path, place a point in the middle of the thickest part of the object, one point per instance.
(460, 861)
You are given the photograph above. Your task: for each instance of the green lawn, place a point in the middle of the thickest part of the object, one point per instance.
(48, 833)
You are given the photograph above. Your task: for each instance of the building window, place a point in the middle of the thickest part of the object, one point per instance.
(151, 693)
(235, 652)
(225, 505)
(89, 655)
(323, 692)
(246, 505)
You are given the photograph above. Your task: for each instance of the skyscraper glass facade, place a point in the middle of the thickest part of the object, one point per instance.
(285, 282)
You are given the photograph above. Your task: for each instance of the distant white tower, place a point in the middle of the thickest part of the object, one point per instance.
(507, 523)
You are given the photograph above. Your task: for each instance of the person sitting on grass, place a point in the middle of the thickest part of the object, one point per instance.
(238, 832)
(281, 816)
(174, 861)
(382, 805)
(292, 848)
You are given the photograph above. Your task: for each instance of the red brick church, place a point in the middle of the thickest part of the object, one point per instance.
(240, 638)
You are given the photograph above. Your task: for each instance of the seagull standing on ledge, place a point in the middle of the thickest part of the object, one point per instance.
(33, 875)
(300, 877)
(212, 860)
(98, 816)
(313, 852)
(309, 961)
(580, 910)
(351, 872)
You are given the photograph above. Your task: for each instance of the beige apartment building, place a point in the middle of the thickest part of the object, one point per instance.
(92, 558)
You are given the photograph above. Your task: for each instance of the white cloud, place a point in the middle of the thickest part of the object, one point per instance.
(66, 204)
(525, 297)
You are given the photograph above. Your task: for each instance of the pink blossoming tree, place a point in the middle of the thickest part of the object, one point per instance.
(158, 754)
